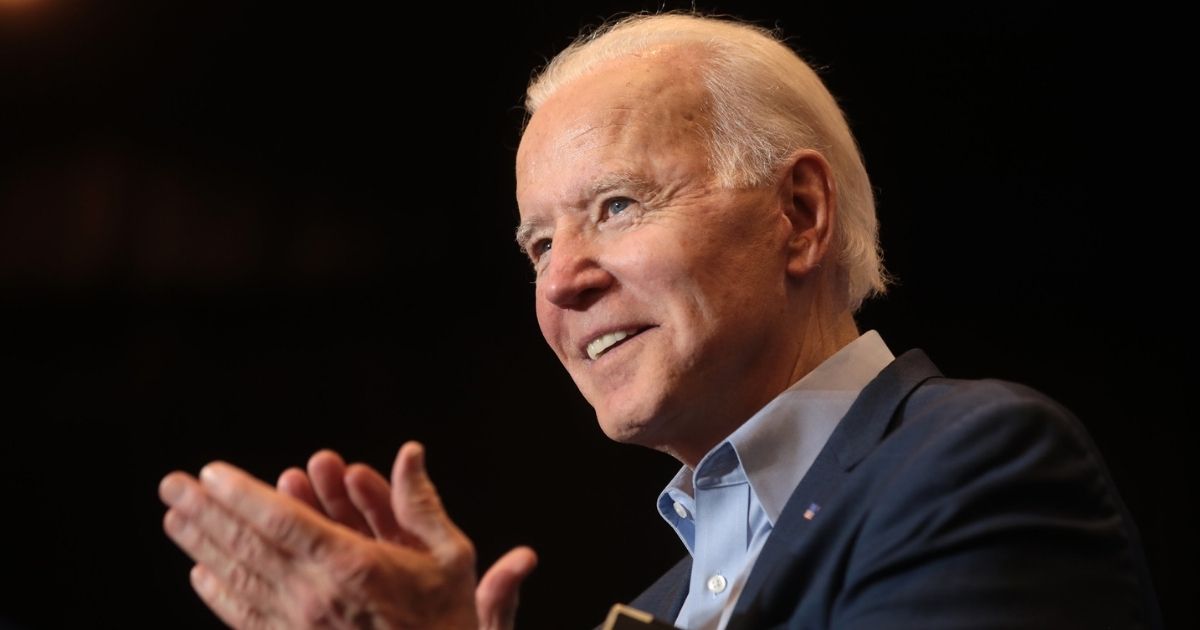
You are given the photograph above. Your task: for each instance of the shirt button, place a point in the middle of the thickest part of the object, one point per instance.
(680, 510)
(716, 583)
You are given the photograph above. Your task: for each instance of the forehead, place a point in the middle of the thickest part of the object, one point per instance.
(641, 116)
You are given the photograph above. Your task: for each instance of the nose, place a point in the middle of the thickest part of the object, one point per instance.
(574, 277)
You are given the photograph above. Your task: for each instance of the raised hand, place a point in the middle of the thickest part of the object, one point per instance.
(267, 559)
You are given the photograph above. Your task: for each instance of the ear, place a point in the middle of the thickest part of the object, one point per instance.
(808, 197)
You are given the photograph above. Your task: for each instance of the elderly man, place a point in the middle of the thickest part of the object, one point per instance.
(702, 231)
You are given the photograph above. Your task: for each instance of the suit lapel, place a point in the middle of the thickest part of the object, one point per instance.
(856, 435)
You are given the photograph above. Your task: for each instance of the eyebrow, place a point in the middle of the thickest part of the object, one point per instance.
(614, 181)
(525, 232)
(606, 184)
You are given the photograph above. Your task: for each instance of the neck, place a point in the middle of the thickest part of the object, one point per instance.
(820, 336)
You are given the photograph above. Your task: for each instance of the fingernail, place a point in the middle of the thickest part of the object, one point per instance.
(419, 458)
(417, 469)
(213, 473)
(171, 490)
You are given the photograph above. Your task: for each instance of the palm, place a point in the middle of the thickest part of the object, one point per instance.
(358, 497)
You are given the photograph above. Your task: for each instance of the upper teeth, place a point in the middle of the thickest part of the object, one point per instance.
(604, 342)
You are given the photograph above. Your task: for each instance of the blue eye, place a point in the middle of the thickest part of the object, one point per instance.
(618, 205)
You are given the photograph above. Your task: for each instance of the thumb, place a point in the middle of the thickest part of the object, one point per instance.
(416, 503)
(496, 595)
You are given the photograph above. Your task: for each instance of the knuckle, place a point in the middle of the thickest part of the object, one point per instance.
(426, 502)
(279, 525)
(461, 554)
(232, 609)
(345, 571)
(255, 621)
(239, 578)
(243, 543)
(283, 527)
(179, 528)
(314, 608)
(423, 491)
(207, 551)
(352, 566)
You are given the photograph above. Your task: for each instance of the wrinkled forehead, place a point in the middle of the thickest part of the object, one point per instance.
(645, 103)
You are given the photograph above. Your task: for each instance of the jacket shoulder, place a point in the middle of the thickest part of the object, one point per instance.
(995, 492)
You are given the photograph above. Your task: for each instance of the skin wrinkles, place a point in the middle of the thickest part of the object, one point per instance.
(707, 274)
(649, 203)
(648, 192)
(627, 184)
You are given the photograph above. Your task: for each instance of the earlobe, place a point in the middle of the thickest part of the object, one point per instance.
(804, 258)
(811, 205)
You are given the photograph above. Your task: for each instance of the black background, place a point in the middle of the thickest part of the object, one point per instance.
(250, 230)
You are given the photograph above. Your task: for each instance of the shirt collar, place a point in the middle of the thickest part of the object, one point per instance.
(777, 445)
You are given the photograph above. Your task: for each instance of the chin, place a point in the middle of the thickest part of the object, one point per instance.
(627, 428)
(633, 413)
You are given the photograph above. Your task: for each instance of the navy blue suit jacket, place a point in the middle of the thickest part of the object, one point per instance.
(945, 504)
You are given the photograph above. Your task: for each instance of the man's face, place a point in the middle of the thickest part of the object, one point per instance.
(663, 294)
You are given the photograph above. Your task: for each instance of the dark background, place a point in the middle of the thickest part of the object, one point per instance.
(250, 230)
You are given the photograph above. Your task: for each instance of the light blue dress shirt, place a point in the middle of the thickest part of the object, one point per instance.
(724, 510)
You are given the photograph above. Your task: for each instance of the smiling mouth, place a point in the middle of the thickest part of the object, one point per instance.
(602, 344)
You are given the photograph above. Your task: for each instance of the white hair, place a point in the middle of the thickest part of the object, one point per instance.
(766, 104)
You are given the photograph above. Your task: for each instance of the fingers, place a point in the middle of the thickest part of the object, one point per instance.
(267, 559)
(496, 596)
(235, 611)
(279, 519)
(356, 496)
(210, 534)
(243, 576)
(294, 483)
(371, 494)
(241, 567)
(418, 508)
(327, 471)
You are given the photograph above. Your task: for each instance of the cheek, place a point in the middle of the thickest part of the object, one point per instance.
(549, 322)
(649, 264)
(677, 279)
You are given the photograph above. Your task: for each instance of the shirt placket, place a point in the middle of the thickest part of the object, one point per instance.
(720, 544)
